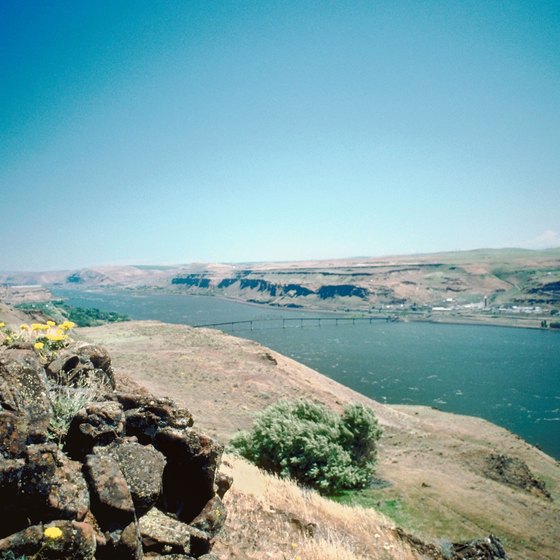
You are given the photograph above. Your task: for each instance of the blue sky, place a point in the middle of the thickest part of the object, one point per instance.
(180, 131)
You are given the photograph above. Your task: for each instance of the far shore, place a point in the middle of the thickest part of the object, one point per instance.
(452, 317)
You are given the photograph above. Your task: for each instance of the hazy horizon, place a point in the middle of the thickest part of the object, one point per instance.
(253, 262)
(181, 132)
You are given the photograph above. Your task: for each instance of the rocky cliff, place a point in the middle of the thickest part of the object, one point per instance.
(506, 277)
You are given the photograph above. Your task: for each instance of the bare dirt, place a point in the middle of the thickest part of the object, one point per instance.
(434, 465)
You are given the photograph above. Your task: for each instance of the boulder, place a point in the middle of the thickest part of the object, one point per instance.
(145, 416)
(489, 548)
(212, 518)
(164, 534)
(41, 486)
(111, 502)
(68, 497)
(82, 363)
(100, 423)
(142, 467)
(223, 483)
(13, 434)
(58, 539)
(24, 392)
(125, 457)
(514, 472)
(113, 510)
(129, 545)
(193, 460)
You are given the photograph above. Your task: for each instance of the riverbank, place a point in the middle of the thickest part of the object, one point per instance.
(517, 320)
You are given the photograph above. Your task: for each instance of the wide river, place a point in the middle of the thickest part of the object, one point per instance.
(509, 376)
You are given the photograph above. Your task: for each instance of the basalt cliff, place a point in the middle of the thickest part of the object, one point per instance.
(491, 282)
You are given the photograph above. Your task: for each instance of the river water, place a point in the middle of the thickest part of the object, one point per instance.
(509, 376)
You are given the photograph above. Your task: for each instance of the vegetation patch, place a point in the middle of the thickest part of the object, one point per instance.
(307, 442)
(81, 316)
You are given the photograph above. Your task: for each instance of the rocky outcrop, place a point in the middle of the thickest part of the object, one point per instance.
(489, 548)
(514, 472)
(24, 393)
(131, 478)
(82, 363)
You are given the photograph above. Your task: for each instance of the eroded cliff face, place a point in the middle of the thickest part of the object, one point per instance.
(498, 277)
(347, 288)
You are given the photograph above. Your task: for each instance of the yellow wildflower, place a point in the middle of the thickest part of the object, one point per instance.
(24, 327)
(38, 346)
(51, 323)
(57, 337)
(67, 325)
(2, 325)
(36, 326)
(52, 533)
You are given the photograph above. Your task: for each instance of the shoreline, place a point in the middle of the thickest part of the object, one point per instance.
(532, 322)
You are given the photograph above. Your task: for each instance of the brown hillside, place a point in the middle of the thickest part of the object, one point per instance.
(437, 466)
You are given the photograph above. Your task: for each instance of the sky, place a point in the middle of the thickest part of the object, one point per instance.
(142, 132)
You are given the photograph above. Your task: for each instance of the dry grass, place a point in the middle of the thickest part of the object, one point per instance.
(278, 520)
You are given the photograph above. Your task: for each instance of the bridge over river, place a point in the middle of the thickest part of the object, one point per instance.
(296, 322)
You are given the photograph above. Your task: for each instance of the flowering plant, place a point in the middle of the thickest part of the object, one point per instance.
(45, 337)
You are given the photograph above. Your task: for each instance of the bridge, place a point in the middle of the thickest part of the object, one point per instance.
(298, 322)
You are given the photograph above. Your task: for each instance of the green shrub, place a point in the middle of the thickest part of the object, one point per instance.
(306, 441)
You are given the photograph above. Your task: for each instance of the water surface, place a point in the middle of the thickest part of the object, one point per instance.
(508, 376)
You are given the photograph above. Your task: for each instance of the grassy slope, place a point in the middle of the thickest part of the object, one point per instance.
(431, 461)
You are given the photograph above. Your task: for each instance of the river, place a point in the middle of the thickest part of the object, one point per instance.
(508, 376)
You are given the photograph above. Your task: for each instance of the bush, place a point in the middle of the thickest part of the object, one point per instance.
(306, 441)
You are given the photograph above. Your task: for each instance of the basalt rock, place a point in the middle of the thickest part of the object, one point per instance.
(113, 508)
(142, 467)
(212, 518)
(145, 416)
(58, 539)
(489, 548)
(24, 392)
(82, 363)
(164, 534)
(193, 457)
(111, 501)
(223, 484)
(13, 434)
(100, 423)
(41, 486)
(133, 479)
(514, 472)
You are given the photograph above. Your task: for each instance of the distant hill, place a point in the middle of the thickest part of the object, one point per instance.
(481, 278)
